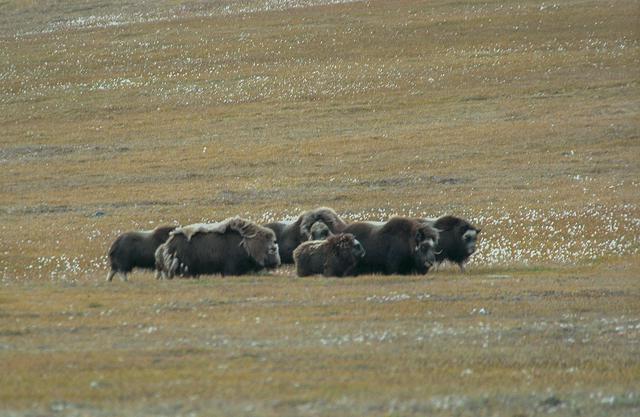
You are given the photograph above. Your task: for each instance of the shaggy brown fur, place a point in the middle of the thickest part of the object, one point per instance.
(290, 235)
(232, 247)
(136, 250)
(336, 256)
(192, 229)
(399, 246)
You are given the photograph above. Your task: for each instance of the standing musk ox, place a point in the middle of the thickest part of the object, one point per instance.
(291, 234)
(457, 241)
(337, 256)
(399, 246)
(136, 250)
(232, 247)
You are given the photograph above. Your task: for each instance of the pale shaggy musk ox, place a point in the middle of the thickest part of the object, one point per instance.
(292, 234)
(136, 250)
(337, 256)
(458, 239)
(161, 257)
(234, 246)
(399, 246)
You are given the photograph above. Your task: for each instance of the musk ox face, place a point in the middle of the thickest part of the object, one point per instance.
(358, 250)
(469, 240)
(424, 253)
(319, 231)
(268, 254)
(345, 245)
(273, 256)
(458, 240)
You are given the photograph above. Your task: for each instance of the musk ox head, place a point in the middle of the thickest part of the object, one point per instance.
(469, 239)
(261, 244)
(458, 239)
(358, 250)
(426, 239)
(319, 231)
(325, 215)
(345, 245)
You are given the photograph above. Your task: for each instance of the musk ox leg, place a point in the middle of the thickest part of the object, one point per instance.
(123, 275)
(351, 271)
(110, 275)
(173, 268)
(462, 267)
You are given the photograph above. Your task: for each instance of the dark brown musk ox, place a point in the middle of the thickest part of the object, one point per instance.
(337, 256)
(292, 234)
(234, 246)
(399, 246)
(458, 239)
(136, 250)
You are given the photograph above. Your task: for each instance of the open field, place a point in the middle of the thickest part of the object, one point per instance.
(523, 116)
(508, 343)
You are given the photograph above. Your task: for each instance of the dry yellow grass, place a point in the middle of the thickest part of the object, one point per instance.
(520, 115)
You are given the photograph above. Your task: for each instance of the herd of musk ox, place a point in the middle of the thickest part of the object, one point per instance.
(318, 242)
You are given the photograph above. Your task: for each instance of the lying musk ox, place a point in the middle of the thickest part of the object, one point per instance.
(232, 247)
(458, 239)
(292, 234)
(136, 250)
(399, 246)
(337, 256)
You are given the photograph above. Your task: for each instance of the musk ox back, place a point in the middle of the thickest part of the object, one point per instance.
(337, 256)
(458, 240)
(136, 250)
(399, 246)
(232, 247)
(292, 234)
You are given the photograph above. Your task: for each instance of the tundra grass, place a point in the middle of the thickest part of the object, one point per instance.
(519, 115)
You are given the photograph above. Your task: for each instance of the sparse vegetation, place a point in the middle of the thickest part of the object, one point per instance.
(519, 115)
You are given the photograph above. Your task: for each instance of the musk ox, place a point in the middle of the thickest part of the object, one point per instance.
(136, 250)
(160, 257)
(399, 246)
(232, 247)
(337, 256)
(319, 231)
(292, 234)
(458, 239)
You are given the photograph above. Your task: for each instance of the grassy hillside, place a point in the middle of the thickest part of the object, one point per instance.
(373, 108)
(521, 116)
